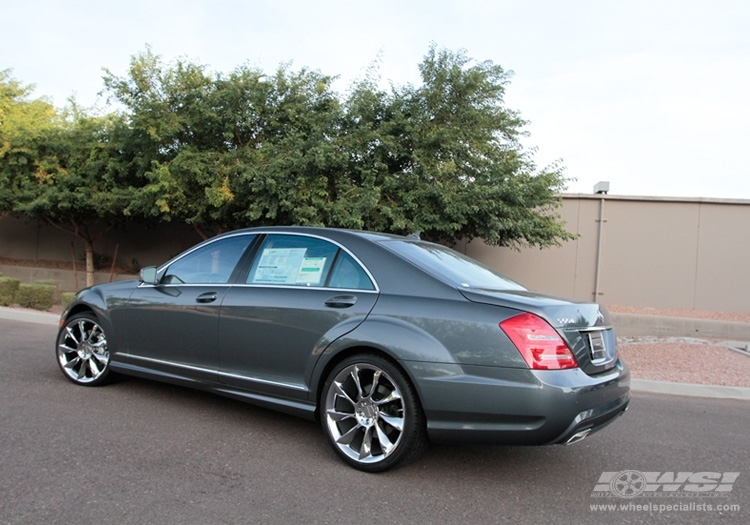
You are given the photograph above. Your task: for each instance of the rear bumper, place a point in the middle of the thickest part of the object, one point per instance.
(517, 406)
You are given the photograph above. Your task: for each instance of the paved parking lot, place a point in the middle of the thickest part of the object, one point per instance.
(143, 452)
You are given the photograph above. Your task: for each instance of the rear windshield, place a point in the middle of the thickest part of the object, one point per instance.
(456, 267)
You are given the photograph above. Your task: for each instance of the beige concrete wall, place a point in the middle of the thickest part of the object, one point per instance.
(33, 240)
(655, 252)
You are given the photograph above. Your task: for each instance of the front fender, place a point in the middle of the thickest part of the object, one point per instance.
(101, 300)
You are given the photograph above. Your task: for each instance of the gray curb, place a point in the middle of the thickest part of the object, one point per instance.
(637, 385)
(689, 389)
(29, 316)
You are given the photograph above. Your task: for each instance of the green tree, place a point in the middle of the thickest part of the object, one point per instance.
(227, 151)
(79, 182)
(444, 158)
(22, 122)
(184, 147)
(68, 169)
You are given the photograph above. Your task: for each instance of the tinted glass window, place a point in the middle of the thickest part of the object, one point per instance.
(349, 274)
(210, 264)
(461, 270)
(293, 260)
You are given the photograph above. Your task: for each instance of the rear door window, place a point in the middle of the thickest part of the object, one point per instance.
(293, 260)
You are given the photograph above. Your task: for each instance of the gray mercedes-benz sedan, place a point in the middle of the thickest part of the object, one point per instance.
(391, 342)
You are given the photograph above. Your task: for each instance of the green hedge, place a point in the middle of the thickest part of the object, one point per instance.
(8, 290)
(36, 295)
(66, 297)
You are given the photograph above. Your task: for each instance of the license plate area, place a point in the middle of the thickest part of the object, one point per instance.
(597, 347)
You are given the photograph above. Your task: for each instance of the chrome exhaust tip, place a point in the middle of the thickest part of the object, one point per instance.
(578, 436)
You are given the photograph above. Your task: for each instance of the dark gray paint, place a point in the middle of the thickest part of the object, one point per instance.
(274, 345)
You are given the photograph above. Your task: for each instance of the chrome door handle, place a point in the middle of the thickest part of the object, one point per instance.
(208, 297)
(341, 301)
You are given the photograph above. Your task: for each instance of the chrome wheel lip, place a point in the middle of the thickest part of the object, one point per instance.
(365, 413)
(82, 350)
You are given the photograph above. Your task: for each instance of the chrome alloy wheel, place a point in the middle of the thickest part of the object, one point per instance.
(365, 413)
(82, 350)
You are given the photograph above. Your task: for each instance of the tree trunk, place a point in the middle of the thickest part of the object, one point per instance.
(88, 242)
(89, 263)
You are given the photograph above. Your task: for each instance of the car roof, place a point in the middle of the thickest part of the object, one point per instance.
(317, 230)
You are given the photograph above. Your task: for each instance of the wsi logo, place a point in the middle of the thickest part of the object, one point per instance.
(632, 483)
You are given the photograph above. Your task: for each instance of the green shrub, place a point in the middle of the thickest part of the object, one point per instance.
(36, 295)
(8, 290)
(66, 297)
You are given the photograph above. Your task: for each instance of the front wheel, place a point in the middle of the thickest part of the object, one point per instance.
(82, 351)
(372, 416)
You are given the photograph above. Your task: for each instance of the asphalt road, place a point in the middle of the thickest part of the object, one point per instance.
(143, 452)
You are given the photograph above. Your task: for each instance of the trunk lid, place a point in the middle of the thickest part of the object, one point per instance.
(586, 327)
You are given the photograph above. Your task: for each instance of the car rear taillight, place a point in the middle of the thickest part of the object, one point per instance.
(540, 345)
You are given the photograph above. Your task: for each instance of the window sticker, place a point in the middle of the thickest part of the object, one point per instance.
(311, 270)
(280, 266)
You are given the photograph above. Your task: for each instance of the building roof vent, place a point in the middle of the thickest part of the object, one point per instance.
(601, 188)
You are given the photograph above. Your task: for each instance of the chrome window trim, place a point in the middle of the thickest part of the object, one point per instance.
(293, 287)
(356, 259)
(213, 285)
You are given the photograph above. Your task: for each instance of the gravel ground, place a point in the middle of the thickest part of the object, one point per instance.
(686, 360)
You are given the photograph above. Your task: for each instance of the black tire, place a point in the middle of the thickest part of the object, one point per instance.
(371, 414)
(82, 352)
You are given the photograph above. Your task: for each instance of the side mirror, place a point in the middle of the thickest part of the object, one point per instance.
(147, 275)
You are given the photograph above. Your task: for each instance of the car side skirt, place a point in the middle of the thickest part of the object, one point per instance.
(289, 406)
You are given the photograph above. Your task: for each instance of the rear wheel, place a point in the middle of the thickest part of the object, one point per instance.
(372, 416)
(82, 351)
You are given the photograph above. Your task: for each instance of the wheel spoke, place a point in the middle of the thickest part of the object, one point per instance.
(72, 363)
(365, 450)
(394, 395)
(347, 438)
(385, 442)
(94, 367)
(355, 377)
(339, 416)
(72, 335)
(82, 370)
(394, 421)
(96, 337)
(103, 358)
(375, 381)
(340, 391)
(82, 328)
(65, 348)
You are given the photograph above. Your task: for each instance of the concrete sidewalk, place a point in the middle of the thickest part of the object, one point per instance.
(29, 316)
(674, 327)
